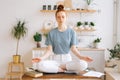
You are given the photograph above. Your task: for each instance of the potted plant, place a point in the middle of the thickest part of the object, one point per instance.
(92, 25)
(79, 25)
(18, 31)
(37, 38)
(115, 54)
(86, 25)
(96, 42)
(89, 2)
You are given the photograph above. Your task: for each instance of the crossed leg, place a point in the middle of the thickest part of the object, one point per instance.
(54, 67)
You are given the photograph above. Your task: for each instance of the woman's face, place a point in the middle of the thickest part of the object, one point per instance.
(61, 17)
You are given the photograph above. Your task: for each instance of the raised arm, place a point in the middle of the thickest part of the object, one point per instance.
(45, 56)
(77, 53)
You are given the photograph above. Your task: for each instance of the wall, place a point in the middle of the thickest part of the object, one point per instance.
(29, 10)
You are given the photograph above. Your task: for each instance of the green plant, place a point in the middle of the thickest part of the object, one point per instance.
(92, 24)
(115, 52)
(79, 23)
(37, 38)
(85, 23)
(97, 40)
(89, 2)
(19, 31)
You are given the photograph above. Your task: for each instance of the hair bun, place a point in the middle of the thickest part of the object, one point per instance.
(60, 7)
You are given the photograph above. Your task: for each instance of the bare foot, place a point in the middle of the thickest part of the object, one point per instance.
(81, 72)
(36, 60)
(61, 70)
(63, 66)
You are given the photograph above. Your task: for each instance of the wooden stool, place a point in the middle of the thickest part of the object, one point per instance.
(11, 70)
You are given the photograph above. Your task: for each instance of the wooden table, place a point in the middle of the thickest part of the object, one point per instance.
(61, 76)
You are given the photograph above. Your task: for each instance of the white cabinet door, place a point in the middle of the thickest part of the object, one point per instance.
(98, 62)
(98, 59)
(97, 55)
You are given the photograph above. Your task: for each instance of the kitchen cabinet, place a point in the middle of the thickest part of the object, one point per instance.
(112, 74)
(97, 55)
(72, 11)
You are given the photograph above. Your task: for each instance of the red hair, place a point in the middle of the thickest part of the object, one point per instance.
(60, 9)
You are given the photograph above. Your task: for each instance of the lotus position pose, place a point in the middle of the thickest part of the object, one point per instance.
(60, 41)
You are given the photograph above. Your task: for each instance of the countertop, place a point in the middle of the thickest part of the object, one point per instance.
(90, 49)
(79, 48)
(112, 72)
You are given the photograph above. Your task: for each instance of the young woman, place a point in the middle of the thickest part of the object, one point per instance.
(61, 41)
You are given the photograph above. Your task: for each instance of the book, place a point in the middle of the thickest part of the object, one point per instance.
(34, 74)
(93, 74)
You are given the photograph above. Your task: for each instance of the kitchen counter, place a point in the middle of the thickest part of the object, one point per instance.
(97, 54)
(90, 49)
(79, 48)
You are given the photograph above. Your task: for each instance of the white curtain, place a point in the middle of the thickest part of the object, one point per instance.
(116, 26)
(117, 20)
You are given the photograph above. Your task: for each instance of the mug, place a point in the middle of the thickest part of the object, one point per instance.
(44, 7)
(49, 7)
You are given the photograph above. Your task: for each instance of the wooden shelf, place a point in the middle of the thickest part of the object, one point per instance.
(41, 48)
(81, 11)
(90, 49)
(79, 48)
(45, 31)
(84, 30)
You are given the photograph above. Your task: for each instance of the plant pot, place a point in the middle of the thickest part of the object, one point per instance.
(87, 27)
(92, 27)
(81, 27)
(38, 45)
(95, 45)
(16, 58)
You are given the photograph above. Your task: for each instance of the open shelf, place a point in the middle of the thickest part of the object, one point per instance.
(85, 30)
(81, 11)
(45, 31)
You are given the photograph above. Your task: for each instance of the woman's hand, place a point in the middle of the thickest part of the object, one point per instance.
(36, 60)
(77, 53)
(88, 59)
